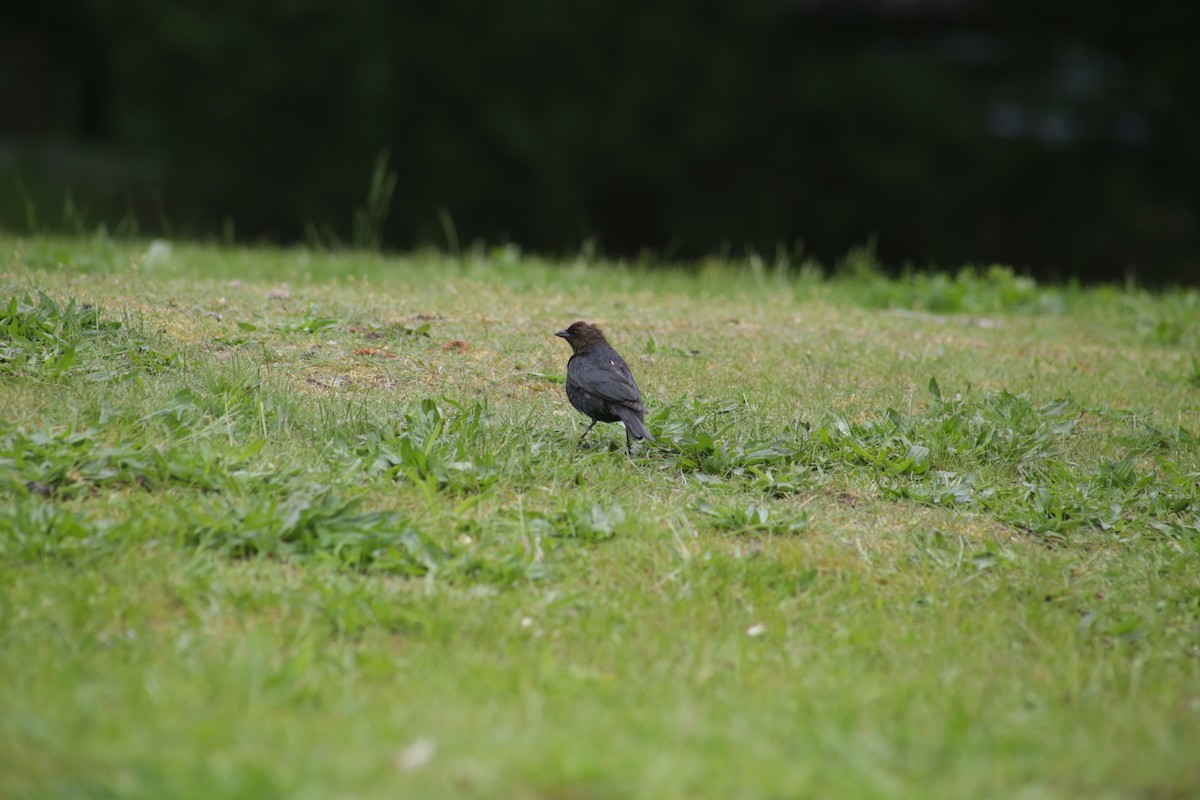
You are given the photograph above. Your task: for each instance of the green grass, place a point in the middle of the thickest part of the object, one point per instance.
(286, 523)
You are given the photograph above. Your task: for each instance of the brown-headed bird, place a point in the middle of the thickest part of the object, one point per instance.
(600, 384)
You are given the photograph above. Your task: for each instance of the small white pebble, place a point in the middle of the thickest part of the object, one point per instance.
(757, 629)
(417, 754)
(526, 622)
(157, 254)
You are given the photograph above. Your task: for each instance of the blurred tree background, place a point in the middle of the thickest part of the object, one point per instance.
(1062, 138)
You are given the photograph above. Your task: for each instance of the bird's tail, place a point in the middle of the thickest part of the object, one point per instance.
(633, 423)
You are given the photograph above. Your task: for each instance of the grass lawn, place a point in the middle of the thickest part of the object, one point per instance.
(283, 523)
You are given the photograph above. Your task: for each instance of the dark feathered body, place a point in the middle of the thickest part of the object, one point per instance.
(600, 384)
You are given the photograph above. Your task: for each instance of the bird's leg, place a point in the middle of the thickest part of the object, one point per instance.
(586, 432)
(628, 442)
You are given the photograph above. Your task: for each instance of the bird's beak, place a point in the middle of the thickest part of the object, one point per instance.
(563, 334)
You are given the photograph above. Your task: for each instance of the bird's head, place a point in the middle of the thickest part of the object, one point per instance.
(581, 335)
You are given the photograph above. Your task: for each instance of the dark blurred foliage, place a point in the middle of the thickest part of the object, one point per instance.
(1063, 138)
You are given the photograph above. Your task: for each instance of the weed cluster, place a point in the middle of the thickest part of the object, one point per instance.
(46, 341)
(998, 454)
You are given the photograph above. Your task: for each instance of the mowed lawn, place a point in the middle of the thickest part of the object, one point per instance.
(288, 523)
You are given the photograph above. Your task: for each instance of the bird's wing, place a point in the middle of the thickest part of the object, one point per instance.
(604, 375)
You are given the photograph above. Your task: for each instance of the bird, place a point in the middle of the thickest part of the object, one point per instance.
(600, 385)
